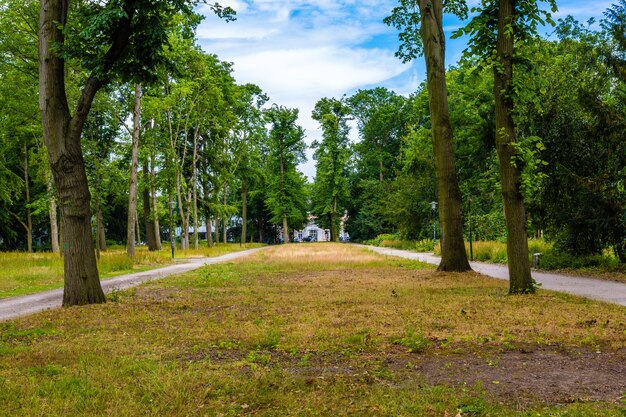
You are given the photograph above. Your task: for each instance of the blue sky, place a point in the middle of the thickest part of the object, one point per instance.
(299, 51)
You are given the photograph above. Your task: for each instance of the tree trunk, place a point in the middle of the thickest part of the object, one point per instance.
(54, 223)
(520, 280)
(195, 187)
(155, 208)
(172, 227)
(29, 218)
(207, 214)
(61, 135)
(333, 222)
(184, 233)
(285, 224)
(224, 222)
(285, 229)
(132, 189)
(148, 222)
(137, 226)
(244, 210)
(453, 256)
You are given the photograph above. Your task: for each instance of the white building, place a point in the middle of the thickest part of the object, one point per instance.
(313, 233)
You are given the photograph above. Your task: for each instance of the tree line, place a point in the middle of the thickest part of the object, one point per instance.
(138, 132)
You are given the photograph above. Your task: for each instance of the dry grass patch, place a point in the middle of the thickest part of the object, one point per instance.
(315, 330)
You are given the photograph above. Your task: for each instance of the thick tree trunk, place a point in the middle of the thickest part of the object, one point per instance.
(54, 222)
(244, 210)
(61, 135)
(29, 218)
(510, 175)
(147, 209)
(453, 256)
(155, 208)
(132, 188)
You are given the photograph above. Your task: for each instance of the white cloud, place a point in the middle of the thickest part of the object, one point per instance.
(300, 51)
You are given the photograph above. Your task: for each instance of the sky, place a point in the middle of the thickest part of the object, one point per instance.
(299, 51)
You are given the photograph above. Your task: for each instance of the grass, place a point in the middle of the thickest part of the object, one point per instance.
(296, 330)
(28, 273)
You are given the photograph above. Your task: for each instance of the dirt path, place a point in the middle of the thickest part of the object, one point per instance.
(612, 292)
(33, 303)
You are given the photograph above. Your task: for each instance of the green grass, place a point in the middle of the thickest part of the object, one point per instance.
(296, 330)
(28, 273)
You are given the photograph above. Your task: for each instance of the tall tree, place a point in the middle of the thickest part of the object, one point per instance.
(426, 17)
(330, 189)
(252, 131)
(495, 42)
(286, 195)
(112, 39)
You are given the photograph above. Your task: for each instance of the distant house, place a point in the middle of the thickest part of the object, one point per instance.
(313, 233)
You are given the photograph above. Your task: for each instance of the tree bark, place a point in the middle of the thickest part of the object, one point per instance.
(62, 134)
(132, 188)
(155, 208)
(244, 210)
(147, 212)
(29, 218)
(520, 280)
(54, 223)
(453, 256)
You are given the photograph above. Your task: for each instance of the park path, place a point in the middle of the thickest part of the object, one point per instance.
(609, 291)
(29, 304)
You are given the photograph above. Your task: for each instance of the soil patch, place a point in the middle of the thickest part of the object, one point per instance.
(549, 375)
(545, 374)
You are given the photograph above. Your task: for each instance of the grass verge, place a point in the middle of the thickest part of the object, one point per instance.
(315, 330)
(28, 273)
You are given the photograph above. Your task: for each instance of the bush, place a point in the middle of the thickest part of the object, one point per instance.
(425, 245)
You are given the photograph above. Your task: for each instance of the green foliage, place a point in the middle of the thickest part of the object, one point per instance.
(415, 342)
(286, 192)
(406, 17)
(330, 190)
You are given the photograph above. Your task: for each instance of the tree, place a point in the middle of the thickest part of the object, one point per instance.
(286, 196)
(495, 30)
(426, 17)
(330, 188)
(114, 39)
(252, 132)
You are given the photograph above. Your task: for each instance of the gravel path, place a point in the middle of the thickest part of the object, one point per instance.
(33, 303)
(609, 291)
